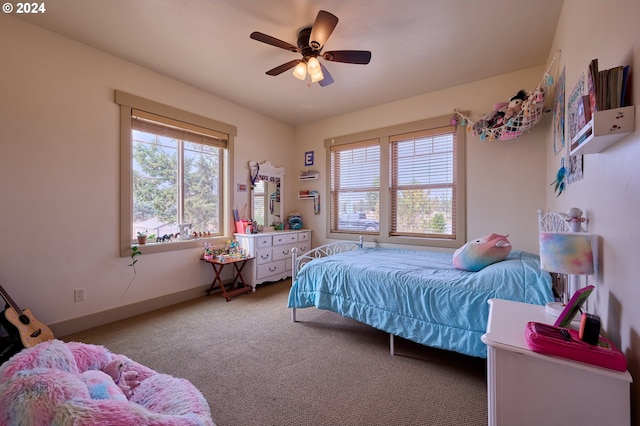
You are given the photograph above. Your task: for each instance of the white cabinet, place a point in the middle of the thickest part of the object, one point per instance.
(529, 388)
(272, 254)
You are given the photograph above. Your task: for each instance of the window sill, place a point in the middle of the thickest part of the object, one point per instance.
(431, 243)
(149, 248)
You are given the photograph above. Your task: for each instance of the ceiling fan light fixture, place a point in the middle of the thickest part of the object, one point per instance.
(313, 66)
(310, 43)
(316, 77)
(314, 70)
(300, 71)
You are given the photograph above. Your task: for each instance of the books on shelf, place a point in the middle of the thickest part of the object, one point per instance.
(593, 79)
(607, 88)
(625, 79)
(615, 87)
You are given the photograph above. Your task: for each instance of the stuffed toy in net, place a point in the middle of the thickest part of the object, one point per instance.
(510, 119)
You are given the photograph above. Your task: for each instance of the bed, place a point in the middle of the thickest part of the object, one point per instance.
(415, 294)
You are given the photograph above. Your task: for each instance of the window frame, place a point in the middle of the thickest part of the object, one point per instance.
(396, 186)
(384, 135)
(335, 190)
(128, 103)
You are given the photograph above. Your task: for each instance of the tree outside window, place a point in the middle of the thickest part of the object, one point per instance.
(174, 182)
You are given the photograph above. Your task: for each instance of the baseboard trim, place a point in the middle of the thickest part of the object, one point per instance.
(76, 325)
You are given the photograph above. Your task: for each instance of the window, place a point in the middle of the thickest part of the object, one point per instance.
(258, 202)
(402, 184)
(355, 187)
(174, 169)
(423, 183)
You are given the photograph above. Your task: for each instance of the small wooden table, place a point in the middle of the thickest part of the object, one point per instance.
(238, 264)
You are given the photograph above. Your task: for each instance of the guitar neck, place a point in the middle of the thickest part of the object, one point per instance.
(10, 301)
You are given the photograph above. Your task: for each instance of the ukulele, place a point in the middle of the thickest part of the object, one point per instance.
(30, 330)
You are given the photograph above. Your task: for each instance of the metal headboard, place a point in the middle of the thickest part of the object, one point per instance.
(561, 222)
(553, 222)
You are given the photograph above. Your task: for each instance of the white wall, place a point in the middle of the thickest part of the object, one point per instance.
(610, 190)
(59, 168)
(505, 179)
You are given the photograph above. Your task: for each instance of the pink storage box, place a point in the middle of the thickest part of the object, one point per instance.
(565, 343)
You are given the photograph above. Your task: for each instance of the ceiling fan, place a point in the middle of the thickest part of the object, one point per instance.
(310, 43)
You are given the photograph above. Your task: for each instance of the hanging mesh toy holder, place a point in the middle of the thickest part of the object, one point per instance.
(495, 125)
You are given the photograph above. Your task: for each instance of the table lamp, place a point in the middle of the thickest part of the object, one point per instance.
(567, 253)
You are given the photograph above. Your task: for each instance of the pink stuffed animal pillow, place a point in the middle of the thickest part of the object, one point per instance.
(482, 252)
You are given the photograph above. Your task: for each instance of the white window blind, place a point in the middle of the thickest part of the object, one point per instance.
(423, 183)
(174, 129)
(355, 187)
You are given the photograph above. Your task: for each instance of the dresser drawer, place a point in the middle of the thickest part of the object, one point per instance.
(272, 268)
(304, 236)
(282, 252)
(263, 241)
(284, 239)
(263, 256)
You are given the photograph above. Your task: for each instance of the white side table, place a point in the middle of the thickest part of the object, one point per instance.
(528, 388)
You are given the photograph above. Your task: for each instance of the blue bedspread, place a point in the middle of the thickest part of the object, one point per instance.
(419, 295)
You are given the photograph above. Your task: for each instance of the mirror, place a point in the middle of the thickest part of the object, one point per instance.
(266, 188)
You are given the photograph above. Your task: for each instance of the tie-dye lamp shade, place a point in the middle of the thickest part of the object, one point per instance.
(566, 253)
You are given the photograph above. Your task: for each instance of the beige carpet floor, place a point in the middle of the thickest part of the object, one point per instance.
(256, 367)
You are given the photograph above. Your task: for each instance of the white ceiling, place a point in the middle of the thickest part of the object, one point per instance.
(418, 46)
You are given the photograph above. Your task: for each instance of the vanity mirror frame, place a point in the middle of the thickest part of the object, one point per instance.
(271, 174)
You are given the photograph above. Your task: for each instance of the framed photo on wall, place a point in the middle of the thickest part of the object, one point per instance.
(308, 158)
(558, 115)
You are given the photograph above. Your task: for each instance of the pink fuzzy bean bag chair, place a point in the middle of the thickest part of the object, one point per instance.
(57, 383)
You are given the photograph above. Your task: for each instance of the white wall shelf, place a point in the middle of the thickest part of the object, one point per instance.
(314, 176)
(605, 128)
(309, 196)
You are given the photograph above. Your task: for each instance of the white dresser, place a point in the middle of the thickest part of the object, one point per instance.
(272, 254)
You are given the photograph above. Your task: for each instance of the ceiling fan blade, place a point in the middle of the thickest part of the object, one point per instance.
(273, 41)
(322, 28)
(348, 56)
(282, 68)
(327, 80)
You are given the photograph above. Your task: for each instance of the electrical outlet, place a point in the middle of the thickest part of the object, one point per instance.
(78, 295)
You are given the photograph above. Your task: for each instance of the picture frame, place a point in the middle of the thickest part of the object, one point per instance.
(559, 115)
(574, 305)
(308, 158)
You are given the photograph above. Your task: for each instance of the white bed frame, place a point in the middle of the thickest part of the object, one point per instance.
(560, 222)
(549, 222)
(327, 250)
(322, 251)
